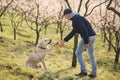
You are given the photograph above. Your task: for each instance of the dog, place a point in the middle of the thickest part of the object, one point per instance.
(39, 53)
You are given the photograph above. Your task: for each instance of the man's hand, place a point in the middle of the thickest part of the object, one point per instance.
(61, 43)
(86, 45)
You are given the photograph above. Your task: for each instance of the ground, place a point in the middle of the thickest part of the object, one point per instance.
(13, 55)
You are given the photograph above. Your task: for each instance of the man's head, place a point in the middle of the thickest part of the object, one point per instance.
(67, 13)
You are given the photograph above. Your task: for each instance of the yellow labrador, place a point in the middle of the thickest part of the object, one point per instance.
(39, 54)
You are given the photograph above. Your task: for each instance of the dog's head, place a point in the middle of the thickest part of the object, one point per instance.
(44, 43)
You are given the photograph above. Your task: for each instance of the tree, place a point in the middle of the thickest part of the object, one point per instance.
(61, 22)
(111, 29)
(16, 19)
(36, 19)
(112, 36)
(3, 9)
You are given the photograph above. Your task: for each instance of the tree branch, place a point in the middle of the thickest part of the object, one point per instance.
(86, 7)
(104, 32)
(5, 8)
(95, 7)
(80, 4)
(68, 4)
(112, 9)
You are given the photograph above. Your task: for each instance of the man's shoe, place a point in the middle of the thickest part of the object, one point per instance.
(81, 74)
(92, 76)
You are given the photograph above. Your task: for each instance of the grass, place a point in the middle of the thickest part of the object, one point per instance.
(13, 54)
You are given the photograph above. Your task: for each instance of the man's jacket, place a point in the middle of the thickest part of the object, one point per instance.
(81, 26)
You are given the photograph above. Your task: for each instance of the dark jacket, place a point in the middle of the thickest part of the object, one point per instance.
(82, 27)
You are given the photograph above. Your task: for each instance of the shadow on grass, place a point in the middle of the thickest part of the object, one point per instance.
(61, 75)
(77, 78)
(53, 76)
(46, 76)
(23, 35)
(14, 69)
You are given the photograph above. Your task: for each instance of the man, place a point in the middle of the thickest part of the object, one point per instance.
(83, 27)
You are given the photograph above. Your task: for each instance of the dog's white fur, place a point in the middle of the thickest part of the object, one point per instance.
(39, 54)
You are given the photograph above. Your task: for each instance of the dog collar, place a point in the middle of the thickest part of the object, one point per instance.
(41, 47)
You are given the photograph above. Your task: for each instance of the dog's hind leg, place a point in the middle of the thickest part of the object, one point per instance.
(45, 68)
(39, 65)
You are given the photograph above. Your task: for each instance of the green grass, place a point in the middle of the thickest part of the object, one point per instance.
(13, 54)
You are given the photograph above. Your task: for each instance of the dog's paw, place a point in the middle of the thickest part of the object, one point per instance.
(56, 43)
(34, 67)
(39, 66)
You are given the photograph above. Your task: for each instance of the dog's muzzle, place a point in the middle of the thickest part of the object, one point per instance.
(50, 41)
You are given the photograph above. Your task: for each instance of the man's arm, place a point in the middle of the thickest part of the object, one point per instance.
(67, 38)
(70, 35)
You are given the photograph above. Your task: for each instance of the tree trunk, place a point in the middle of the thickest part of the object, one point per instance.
(110, 38)
(104, 38)
(14, 34)
(1, 28)
(74, 59)
(61, 35)
(37, 37)
(57, 30)
(117, 57)
(46, 25)
(61, 31)
(45, 31)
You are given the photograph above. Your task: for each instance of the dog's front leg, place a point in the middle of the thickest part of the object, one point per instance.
(45, 68)
(50, 49)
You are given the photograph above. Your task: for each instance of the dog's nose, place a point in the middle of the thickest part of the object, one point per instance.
(50, 40)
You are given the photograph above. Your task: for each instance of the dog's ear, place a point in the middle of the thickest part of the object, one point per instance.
(39, 44)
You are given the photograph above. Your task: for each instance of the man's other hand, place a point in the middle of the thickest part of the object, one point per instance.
(87, 45)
